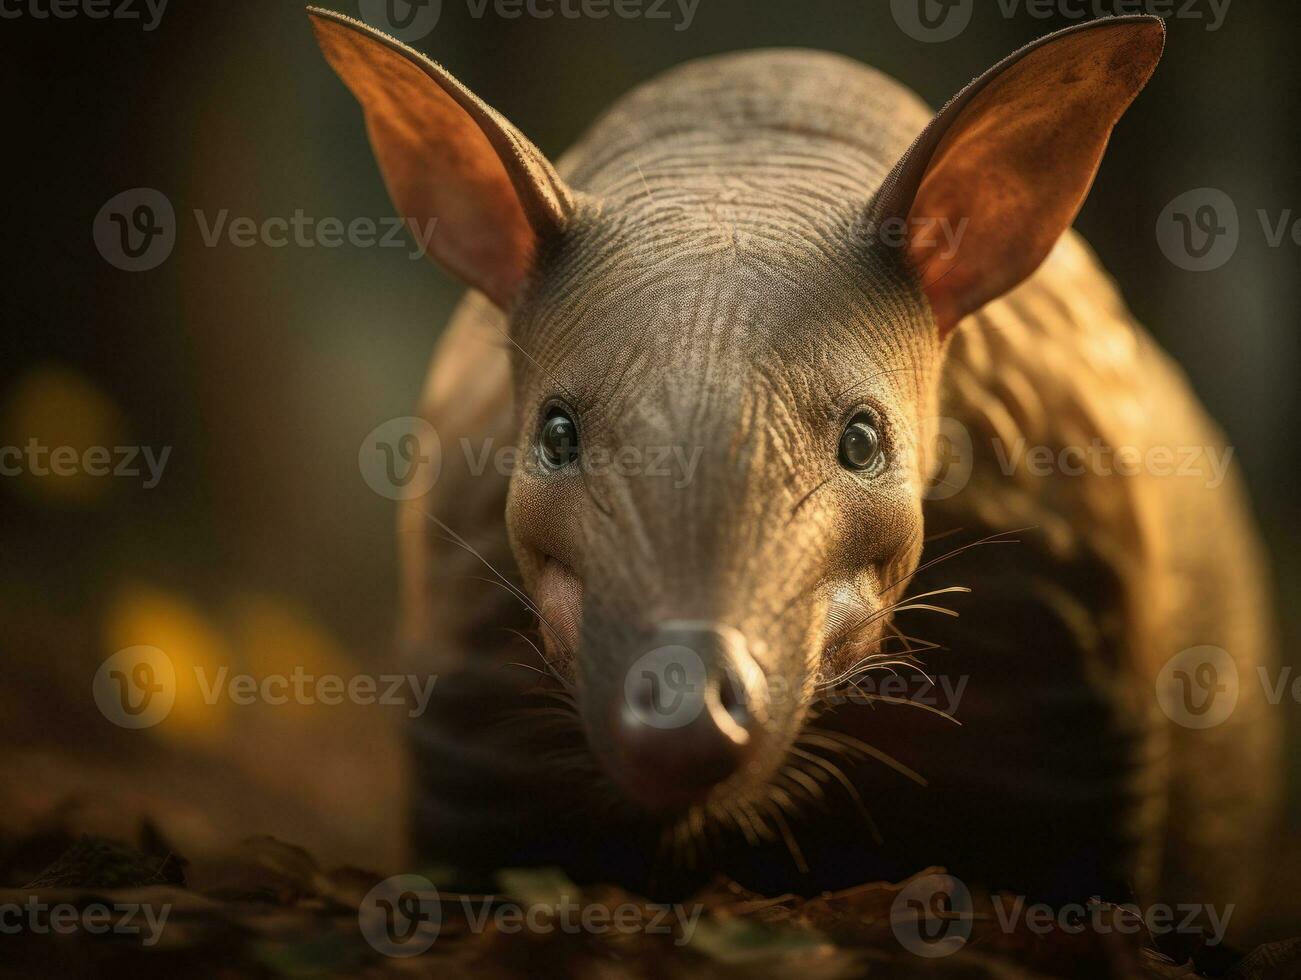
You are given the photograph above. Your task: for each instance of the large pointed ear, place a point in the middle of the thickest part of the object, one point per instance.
(468, 183)
(1001, 172)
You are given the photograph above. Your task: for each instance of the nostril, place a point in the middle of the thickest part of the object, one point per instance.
(732, 698)
(689, 715)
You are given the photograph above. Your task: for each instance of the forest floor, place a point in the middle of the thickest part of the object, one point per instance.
(90, 907)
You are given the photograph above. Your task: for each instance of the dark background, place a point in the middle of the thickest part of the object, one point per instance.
(264, 368)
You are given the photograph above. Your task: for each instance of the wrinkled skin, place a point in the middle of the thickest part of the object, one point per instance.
(757, 385)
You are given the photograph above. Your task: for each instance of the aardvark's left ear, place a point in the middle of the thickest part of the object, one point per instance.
(449, 158)
(1006, 165)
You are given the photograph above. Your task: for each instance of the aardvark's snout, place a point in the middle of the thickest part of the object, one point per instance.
(688, 716)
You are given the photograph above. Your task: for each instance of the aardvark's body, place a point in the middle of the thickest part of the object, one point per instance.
(708, 273)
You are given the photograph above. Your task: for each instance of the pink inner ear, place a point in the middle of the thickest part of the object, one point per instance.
(447, 159)
(480, 233)
(1013, 169)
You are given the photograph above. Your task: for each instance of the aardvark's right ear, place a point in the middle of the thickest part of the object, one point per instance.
(1009, 161)
(449, 159)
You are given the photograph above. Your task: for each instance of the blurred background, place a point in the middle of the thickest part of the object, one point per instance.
(262, 368)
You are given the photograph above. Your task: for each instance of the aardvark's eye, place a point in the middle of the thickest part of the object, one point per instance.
(558, 440)
(860, 444)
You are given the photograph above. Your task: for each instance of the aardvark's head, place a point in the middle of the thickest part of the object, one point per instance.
(724, 387)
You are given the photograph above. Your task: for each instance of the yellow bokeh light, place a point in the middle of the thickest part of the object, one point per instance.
(55, 409)
(145, 615)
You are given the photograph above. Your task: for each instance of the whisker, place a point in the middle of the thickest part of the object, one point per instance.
(838, 774)
(901, 606)
(921, 705)
(828, 739)
(869, 664)
(989, 539)
(456, 539)
(815, 791)
(541, 656)
(775, 808)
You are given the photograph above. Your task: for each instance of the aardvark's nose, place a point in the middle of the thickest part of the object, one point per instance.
(688, 714)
